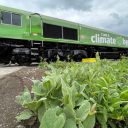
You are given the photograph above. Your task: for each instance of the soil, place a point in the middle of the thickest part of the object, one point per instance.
(12, 85)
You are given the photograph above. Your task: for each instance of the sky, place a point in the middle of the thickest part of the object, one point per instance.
(111, 15)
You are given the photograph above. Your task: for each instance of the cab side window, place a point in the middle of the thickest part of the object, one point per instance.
(11, 18)
(16, 19)
(6, 17)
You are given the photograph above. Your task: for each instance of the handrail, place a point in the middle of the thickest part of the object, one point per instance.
(31, 22)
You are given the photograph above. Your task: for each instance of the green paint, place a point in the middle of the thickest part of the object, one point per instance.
(31, 29)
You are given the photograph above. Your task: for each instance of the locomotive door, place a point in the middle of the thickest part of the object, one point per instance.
(36, 23)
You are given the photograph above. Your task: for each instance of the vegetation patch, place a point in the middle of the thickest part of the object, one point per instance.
(78, 95)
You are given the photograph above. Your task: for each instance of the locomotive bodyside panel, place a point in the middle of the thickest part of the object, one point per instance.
(85, 35)
(98, 37)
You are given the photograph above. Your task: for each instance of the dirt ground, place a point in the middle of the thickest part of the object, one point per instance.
(10, 86)
(5, 70)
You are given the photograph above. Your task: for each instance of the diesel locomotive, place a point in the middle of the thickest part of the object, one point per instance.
(27, 37)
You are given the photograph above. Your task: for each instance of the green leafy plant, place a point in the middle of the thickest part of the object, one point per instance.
(79, 95)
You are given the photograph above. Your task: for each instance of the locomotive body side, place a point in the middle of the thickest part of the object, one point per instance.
(26, 37)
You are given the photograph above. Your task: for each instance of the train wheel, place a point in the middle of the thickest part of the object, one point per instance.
(78, 58)
(23, 60)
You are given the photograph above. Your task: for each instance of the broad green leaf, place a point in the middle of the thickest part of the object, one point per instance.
(65, 88)
(37, 88)
(67, 94)
(102, 120)
(52, 120)
(69, 111)
(80, 100)
(83, 110)
(72, 94)
(47, 85)
(80, 125)
(41, 111)
(59, 123)
(89, 122)
(70, 123)
(24, 115)
(50, 83)
(105, 114)
(50, 103)
(34, 105)
(24, 98)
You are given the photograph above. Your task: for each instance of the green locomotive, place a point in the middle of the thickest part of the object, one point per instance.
(26, 37)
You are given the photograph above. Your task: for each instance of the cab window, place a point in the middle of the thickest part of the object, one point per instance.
(11, 18)
(16, 19)
(6, 17)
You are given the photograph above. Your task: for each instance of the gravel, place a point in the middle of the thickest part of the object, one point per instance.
(11, 85)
